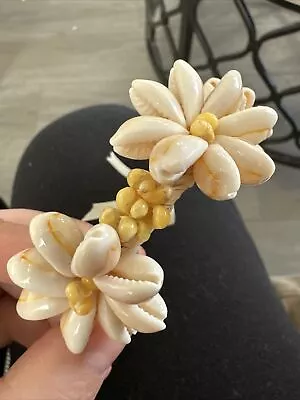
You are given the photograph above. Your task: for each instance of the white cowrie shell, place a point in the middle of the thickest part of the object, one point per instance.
(56, 237)
(156, 307)
(30, 271)
(136, 138)
(225, 96)
(99, 252)
(153, 98)
(112, 325)
(246, 100)
(136, 278)
(173, 156)
(249, 98)
(34, 307)
(258, 121)
(216, 174)
(133, 316)
(76, 329)
(254, 164)
(257, 137)
(187, 87)
(209, 86)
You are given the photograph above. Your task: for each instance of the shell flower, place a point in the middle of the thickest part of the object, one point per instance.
(211, 130)
(86, 280)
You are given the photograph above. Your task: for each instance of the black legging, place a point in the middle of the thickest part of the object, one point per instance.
(227, 335)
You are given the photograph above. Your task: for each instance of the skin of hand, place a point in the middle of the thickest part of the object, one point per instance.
(47, 370)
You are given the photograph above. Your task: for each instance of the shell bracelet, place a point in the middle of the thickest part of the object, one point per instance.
(192, 133)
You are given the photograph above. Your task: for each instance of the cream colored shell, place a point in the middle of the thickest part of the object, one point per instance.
(154, 129)
(173, 156)
(217, 174)
(159, 101)
(98, 253)
(186, 85)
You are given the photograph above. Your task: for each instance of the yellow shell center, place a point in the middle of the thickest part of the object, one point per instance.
(81, 295)
(204, 126)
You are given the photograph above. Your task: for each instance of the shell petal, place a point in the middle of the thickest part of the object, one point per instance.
(35, 307)
(153, 98)
(248, 98)
(216, 174)
(111, 324)
(136, 137)
(225, 96)
(76, 329)
(254, 164)
(125, 290)
(30, 271)
(256, 121)
(257, 137)
(139, 267)
(99, 253)
(135, 279)
(135, 317)
(209, 86)
(56, 237)
(187, 87)
(156, 307)
(173, 156)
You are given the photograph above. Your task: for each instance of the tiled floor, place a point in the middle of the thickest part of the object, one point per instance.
(59, 55)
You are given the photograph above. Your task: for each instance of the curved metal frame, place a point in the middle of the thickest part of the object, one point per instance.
(190, 27)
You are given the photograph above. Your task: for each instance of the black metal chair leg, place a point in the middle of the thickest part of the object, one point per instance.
(188, 8)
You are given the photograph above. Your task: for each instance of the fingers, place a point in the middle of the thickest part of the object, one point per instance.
(24, 216)
(18, 215)
(13, 239)
(16, 329)
(11, 289)
(49, 371)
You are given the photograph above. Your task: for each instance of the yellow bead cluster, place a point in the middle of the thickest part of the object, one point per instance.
(80, 294)
(204, 126)
(140, 208)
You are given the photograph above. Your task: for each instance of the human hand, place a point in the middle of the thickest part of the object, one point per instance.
(47, 370)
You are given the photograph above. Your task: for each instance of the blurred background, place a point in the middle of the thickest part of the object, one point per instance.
(58, 56)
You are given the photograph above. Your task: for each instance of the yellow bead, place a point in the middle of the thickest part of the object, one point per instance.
(80, 295)
(110, 216)
(202, 129)
(155, 197)
(73, 291)
(125, 199)
(88, 283)
(127, 229)
(144, 231)
(148, 219)
(161, 217)
(84, 307)
(210, 118)
(148, 185)
(139, 209)
(136, 176)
